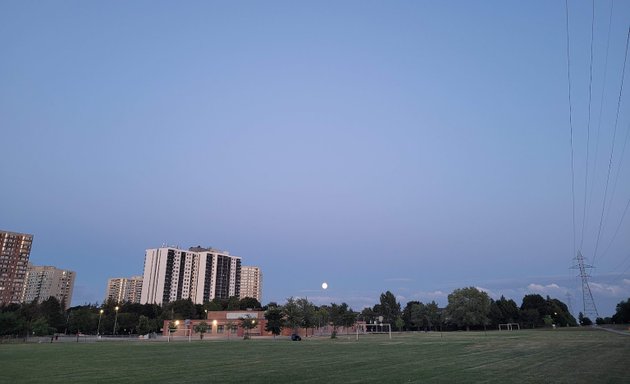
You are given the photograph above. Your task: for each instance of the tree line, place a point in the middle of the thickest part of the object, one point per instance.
(468, 308)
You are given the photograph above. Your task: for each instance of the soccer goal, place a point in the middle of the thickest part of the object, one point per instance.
(186, 331)
(509, 327)
(366, 328)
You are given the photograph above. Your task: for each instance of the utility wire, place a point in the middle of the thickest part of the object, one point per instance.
(588, 124)
(601, 100)
(619, 168)
(625, 270)
(612, 149)
(566, 4)
(623, 215)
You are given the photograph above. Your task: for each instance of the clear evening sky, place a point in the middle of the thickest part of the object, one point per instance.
(411, 146)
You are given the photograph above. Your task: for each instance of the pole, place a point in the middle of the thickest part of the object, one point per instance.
(98, 329)
(115, 320)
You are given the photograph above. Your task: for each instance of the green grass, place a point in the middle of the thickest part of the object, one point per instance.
(560, 356)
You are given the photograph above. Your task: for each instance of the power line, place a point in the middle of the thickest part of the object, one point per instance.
(566, 6)
(614, 189)
(612, 149)
(601, 100)
(623, 215)
(588, 124)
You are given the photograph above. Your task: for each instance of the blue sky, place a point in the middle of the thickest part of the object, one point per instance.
(416, 147)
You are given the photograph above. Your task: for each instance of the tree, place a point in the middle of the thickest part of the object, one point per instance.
(415, 314)
(400, 323)
(349, 318)
(144, 325)
(292, 314)
(201, 328)
(534, 309)
(622, 313)
(180, 309)
(432, 314)
(560, 313)
(40, 327)
(234, 303)
(127, 322)
(27, 313)
(339, 316)
(307, 312)
(247, 324)
(503, 311)
(389, 308)
(584, 320)
(10, 323)
(368, 315)
(248, 303)
(468, 307)
(406, 314)
(82, 319)
(51, 310)
(214, 305)
(322, 314)
(275, 321)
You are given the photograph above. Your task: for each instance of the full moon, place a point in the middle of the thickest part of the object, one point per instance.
(324, 285)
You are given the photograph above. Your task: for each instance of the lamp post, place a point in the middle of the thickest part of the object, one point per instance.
(98, 329)
(116, 319)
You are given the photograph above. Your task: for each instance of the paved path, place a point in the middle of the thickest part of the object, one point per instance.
(614, 331)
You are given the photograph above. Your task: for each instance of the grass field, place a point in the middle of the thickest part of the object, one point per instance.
(541, 356)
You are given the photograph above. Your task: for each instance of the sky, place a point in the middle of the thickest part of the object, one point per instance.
(410, 146)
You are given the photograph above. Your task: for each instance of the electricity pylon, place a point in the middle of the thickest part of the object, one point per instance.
(590, 310)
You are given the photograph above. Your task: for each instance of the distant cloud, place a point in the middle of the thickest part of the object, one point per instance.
(549, 289)
(488, 291)
(427, 296)
(611, 290)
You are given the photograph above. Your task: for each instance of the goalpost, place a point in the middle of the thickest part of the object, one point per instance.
(377, 328)
(187, 333)
(510, 326)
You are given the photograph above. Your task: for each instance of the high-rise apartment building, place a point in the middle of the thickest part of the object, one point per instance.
(251, 282)
(15, 249)
(199, 274)
(124, 289)
(43, 282)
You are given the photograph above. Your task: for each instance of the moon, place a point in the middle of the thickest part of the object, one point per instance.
(324, 285)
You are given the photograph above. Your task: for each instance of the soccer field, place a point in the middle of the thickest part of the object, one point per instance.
(540, 356)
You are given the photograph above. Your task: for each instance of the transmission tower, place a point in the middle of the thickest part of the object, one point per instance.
(569, 304)
(590, 310)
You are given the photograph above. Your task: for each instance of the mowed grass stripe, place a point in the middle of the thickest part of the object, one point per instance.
(563, 356)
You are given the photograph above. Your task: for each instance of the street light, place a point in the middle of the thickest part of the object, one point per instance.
(98, 329)
(116, 319)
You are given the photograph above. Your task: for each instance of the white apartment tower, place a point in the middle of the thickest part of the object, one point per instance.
(199, 274)
(122, 289)
(251, 282)
(46, 281)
